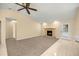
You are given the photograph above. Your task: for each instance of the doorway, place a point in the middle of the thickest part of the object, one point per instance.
(10, 28)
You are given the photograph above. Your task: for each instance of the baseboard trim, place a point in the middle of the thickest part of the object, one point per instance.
(28, 37)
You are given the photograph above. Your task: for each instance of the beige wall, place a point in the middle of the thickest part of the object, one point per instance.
(3, 49)
(76, 23)
(58, 24)
(0, 32)
(26, 27)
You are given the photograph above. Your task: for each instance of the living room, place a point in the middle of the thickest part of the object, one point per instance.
(32, 33)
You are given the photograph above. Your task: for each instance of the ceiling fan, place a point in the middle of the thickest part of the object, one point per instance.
(26, 6)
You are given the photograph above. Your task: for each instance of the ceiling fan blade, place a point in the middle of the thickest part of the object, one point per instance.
(20, 5)
(21, 9)
(27, 11)
(33, 9)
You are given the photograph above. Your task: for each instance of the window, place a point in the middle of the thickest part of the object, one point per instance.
(65, 28)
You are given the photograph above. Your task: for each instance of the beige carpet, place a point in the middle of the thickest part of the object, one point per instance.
(29, 47)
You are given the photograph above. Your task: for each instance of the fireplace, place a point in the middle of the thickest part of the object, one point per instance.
(49, 33)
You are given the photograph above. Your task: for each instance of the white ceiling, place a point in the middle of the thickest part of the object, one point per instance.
(47, 12)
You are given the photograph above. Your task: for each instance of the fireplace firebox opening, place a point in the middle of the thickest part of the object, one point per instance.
(49, 33)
